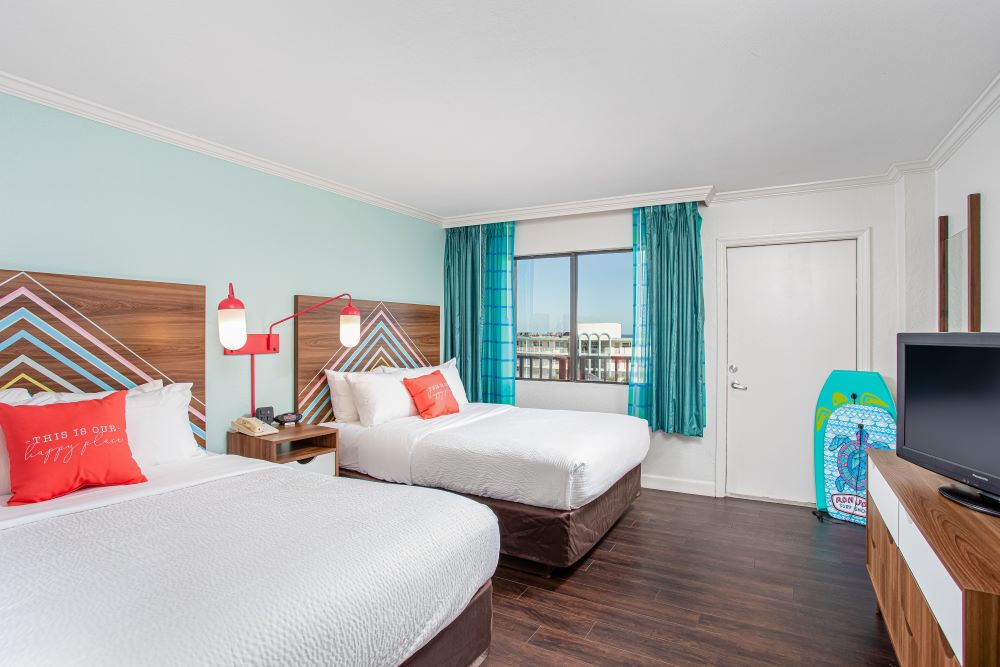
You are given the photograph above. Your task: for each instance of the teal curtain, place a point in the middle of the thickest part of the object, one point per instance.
(667, 384)
(498, 357)
(479, 309)
(463, 265)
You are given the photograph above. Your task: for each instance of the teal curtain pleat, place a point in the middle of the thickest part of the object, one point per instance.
(463, 265)
(667, 384)
(498, 356)
(479, 309)
(641, 369)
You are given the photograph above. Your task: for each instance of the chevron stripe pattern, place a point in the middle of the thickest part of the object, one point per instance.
(46, 344)
(384, 342)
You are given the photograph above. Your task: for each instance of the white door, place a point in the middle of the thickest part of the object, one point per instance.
(792, 318)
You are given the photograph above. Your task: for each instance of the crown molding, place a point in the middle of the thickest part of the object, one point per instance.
(699, 194)
(706, 195)
(909, 168)
(50, 97)
(977, 114)
(801, 188)
(895, 172)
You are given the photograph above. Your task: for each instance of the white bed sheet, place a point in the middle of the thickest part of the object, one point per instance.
(347, 442)
(162, 478)
(559, 459)
(225, 560)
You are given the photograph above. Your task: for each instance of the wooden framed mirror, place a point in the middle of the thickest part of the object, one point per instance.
(959, 285)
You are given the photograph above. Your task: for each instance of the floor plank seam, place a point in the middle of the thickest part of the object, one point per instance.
(695, 591)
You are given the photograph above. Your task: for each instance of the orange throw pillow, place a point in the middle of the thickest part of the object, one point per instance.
(432, 395)
(58, 448)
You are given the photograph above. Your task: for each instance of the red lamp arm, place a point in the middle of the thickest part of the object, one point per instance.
(270, 330)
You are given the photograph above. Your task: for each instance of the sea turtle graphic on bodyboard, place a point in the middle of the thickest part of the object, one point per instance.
(854, 413)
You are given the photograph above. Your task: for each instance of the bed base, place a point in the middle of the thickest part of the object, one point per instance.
(465, 642)
(554, 538)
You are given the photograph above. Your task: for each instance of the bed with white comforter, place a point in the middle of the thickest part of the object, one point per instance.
(225, 560)
(557, 459)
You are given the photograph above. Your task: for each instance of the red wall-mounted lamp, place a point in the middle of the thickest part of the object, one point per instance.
(235, 339)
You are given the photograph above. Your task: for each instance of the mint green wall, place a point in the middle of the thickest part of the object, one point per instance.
(81, 197)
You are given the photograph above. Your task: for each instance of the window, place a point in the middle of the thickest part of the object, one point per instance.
(543, 317)
(574, 316)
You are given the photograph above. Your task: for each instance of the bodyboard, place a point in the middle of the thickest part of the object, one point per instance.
(854, 412)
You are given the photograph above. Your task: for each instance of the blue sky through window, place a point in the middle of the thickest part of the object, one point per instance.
(543, 295)
(604, 292)
(604, 289)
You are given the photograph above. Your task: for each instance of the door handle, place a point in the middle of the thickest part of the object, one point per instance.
(739, 385)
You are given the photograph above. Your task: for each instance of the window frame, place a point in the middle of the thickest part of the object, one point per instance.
(573, 255)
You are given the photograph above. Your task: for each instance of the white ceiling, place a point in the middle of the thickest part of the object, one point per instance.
(461, 106)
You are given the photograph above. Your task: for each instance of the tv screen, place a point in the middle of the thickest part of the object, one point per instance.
(949, 396)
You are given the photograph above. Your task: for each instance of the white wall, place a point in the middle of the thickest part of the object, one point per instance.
(975, 167)
(611, 230)
(688, 464)
(916, 238)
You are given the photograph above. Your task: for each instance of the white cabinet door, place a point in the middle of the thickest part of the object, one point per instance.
(324, 464)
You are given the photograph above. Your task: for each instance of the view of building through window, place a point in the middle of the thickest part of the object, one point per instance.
(601, 330)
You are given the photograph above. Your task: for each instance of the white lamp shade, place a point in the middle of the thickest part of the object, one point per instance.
(350, 330)
(233, 328)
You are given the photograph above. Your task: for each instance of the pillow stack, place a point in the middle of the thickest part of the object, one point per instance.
(58, 448)
(341, 396)
(54, 443)
(385, 394)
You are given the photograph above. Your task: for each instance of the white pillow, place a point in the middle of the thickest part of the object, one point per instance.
(48, 398)
(449, 370)
(158, 425)
(11, 396)
(380, 397)
(341, 397)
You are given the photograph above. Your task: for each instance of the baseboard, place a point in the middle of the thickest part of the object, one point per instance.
(698, 487)
(778, 501)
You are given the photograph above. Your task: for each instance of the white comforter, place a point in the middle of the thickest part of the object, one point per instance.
(238, 562)
(560, 459)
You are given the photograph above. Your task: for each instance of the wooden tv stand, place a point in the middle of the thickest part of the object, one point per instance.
(935, 567)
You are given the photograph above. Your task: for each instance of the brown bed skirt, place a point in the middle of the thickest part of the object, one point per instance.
(463, 642)
(556, 538)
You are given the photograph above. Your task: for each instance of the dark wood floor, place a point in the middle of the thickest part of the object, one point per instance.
(688, 580)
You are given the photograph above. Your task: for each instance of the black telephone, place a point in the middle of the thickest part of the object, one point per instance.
(288, 419)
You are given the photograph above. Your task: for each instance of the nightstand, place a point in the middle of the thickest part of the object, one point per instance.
(290, 444)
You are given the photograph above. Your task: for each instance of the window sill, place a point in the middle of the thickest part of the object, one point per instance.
(583, 382)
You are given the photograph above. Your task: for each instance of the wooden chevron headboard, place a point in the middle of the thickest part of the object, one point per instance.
(83, 334)
(402, 335)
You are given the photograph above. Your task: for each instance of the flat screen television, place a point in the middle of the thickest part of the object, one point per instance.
(948, 416)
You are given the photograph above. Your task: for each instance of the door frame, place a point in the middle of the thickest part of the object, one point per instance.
(862, 238)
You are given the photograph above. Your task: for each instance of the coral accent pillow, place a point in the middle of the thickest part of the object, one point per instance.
(432, 395)
(59, 448)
